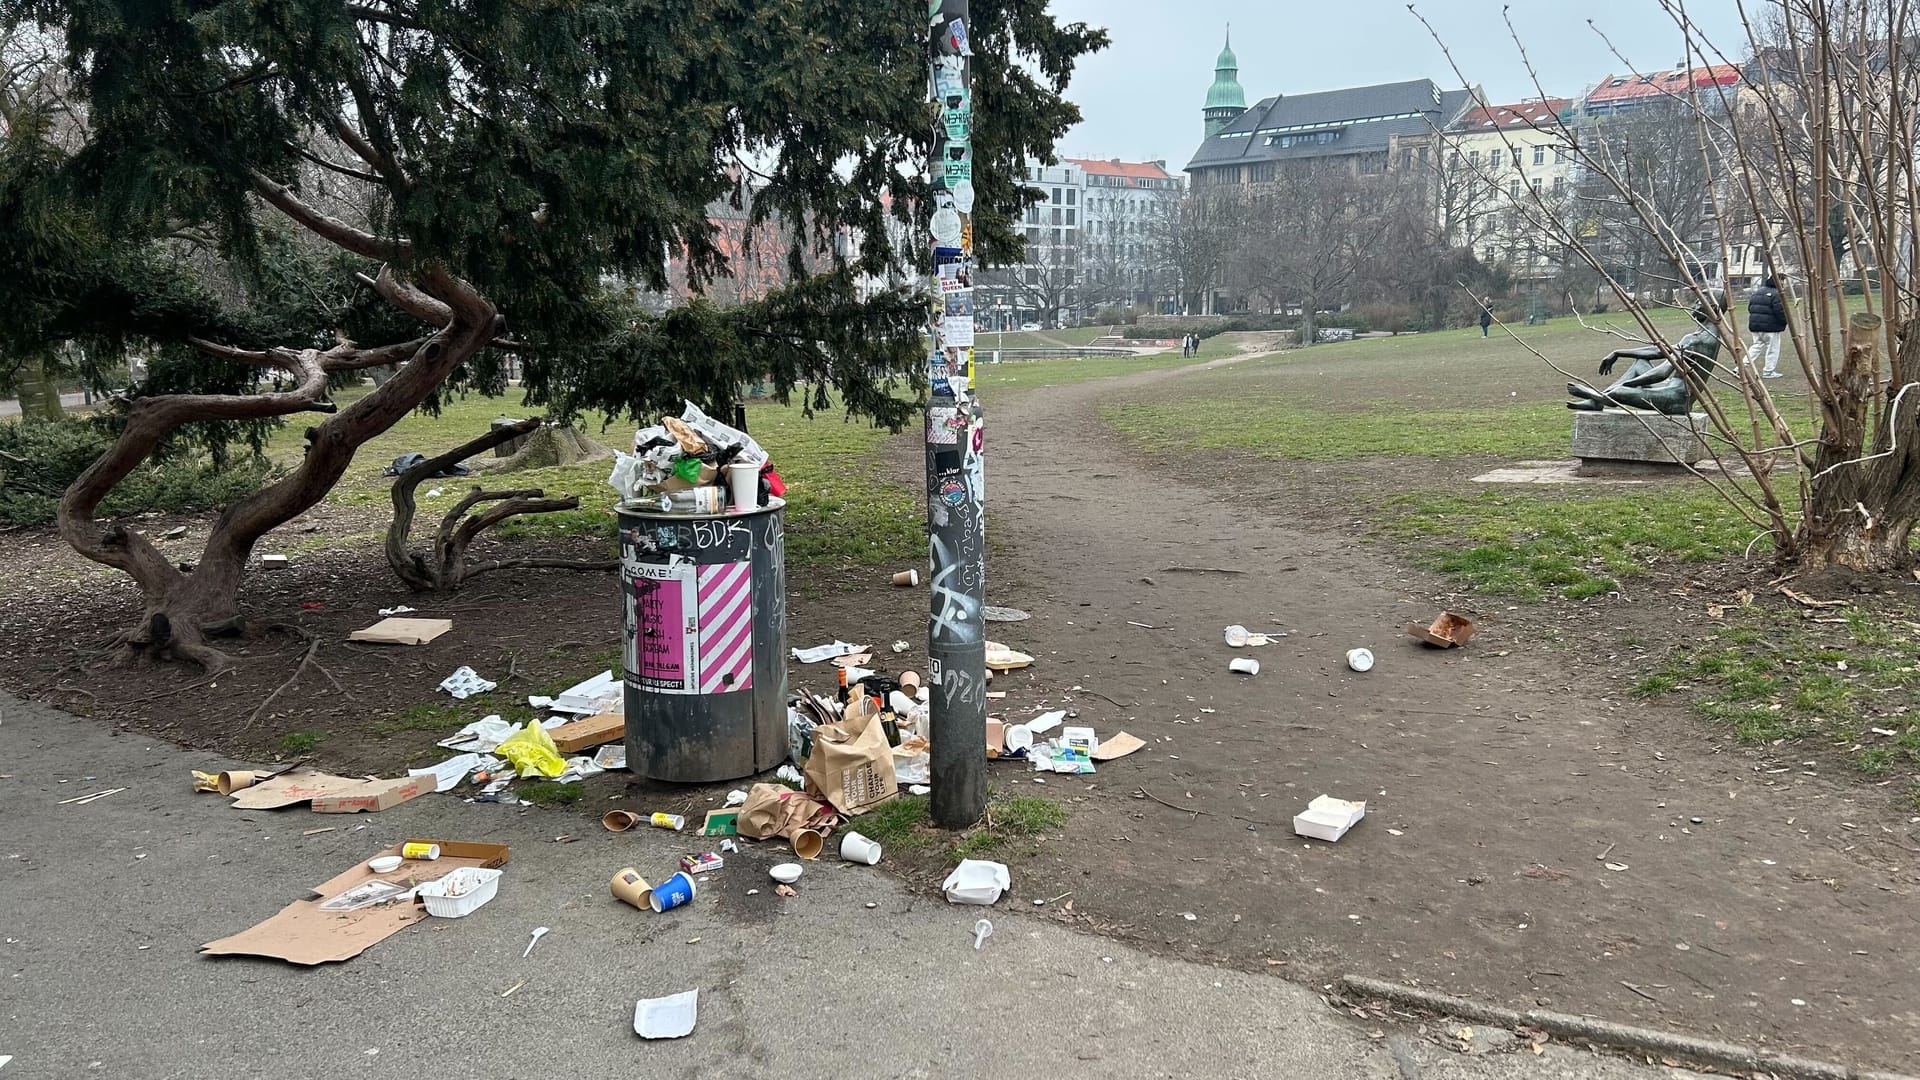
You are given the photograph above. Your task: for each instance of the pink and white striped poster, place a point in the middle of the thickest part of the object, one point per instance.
(726, 628)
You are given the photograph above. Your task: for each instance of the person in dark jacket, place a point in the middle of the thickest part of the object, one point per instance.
(1766, 321)
(1486, 314)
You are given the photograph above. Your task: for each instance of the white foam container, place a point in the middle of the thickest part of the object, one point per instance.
(1327, 818)
(475, 885)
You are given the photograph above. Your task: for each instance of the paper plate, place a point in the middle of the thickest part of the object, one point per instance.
(666, 1017)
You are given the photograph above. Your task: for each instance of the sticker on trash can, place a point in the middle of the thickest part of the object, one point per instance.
(659, 637)
(726, 628)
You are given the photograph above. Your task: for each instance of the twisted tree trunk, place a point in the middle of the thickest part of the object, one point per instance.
(184, 607)
(1865, 496)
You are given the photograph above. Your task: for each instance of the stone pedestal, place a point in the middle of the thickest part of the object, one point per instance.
(1614, 438)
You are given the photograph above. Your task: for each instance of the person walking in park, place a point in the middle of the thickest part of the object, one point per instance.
(1766, 321)
(1486, 315)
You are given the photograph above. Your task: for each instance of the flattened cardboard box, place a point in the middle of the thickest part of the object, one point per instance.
(588, 731)
(331, 794)
(301, 933)
(402, 631)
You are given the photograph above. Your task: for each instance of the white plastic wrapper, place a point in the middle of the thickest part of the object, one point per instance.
(721, 436)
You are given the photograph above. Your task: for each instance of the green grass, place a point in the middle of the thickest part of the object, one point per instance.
(1017, 375)
(300, 742)
(1529, 547)
(1275, 426)
(549, 792)
(898, 824)
(1772, 677)
(1078, 336)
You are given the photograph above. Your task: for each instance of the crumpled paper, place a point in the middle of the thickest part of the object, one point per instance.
(464, 683)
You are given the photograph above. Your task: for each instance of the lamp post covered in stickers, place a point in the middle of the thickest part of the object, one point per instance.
(956, 477)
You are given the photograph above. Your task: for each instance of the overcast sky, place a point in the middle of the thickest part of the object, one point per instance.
(1141, 97)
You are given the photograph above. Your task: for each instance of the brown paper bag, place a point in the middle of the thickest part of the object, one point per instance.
(776, 810)
(851, 764)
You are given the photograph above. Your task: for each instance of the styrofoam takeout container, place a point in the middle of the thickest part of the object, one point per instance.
(461, 893)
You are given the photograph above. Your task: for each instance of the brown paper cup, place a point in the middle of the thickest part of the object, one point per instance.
(630, 888)
(230, 782)
(807, 843)
(620, 820)
(907, 578)
(910, 683)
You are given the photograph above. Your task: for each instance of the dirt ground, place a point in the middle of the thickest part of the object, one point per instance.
(1530, 835)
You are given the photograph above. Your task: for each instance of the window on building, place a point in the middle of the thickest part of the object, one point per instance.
(1070, 212)
(1033, 275)
(1733, 255)
(1453, 160)
(1033, 215)
(1513, 189)
(1056, 237)
(1421, 154)
(1473, 158)
(1559, 184)
(1406, 159)
(1069, 277)
(1540, 155)
(1056, 215)
(1536, 185)
(1056, 195)
(1560, 155)
(1493, 158)
(1486, 256)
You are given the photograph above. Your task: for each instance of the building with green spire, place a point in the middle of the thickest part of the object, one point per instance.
(1225, 100)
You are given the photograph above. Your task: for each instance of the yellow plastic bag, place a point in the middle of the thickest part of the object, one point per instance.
(532, 752)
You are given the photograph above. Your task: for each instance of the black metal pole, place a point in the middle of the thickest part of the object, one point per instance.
(956, 475)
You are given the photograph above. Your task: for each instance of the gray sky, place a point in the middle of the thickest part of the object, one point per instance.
(1141, 97)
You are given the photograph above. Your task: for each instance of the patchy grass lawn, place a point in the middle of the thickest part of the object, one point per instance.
(1768, 676)
(1010, 824)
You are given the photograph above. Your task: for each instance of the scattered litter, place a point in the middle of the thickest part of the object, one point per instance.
(1447, 631)
(482, 736)
(785, 890)
(1617, 867)
(852, 662)
(790, 774)
(721, 823)
(982, 930)
(452, 771)
(385, 864)
(405, 632)
(401, 610)
(1239, 637)
(855, 848)
(1328, 818)
(666, 1017)
(611, 756)
(1118, 746)
(1244, 665)
(676, 891)
(82, 800)
(317, 832)
(273, 562)
(465, 683)
(1001, 658)
(786, 873)
(729, 846)
(619, 820)
(977, 881)
(827, 652)
(705, 863)
(1200, 570)
(1360, 659)
(1003, 614)
(420, 850)
(1189, 916)
(539, 701)
(589, 732)
(298, 934)
(676, 822)
(509, 990)
(630, 888)
(600, 694)
(538, 933)
(907, 578)
(330, 794)
(901, 646)
(531, 752)
(919, 789)
(1046, 722)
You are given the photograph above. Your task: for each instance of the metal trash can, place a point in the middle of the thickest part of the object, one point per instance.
(705, 598)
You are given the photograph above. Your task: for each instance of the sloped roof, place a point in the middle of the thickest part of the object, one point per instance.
(1618, 88)
(1367, 117)
(1137, 170)
(1522, 114)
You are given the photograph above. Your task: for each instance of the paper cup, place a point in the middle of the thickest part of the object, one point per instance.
(1360, 659)
(858, 849)
(743, 479)
(421, 850)
(619, 820)
(1019, 737)
(807, 843)
(230, 782)
(676, 891)
(632, 889)
(1245, 665)
(1237, 636)
(907, 578)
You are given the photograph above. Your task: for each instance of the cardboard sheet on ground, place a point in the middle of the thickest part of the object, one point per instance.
(331, 794)
(402, 631)
(301, 933)
(1118, 746)
(587, 732)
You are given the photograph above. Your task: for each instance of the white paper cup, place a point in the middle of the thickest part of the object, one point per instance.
(858, 849)
(1245, 665)
(744, 479)
(1360, 659)
(1237, 635)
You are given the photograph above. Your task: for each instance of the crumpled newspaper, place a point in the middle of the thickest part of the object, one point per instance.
(655, 450)
(464, 683)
